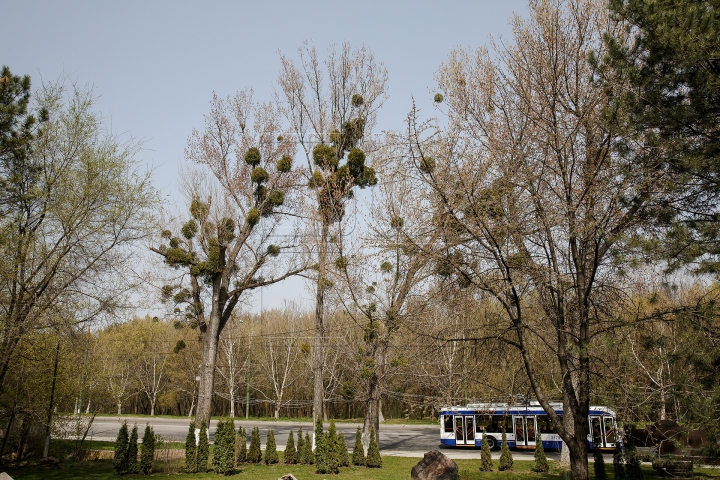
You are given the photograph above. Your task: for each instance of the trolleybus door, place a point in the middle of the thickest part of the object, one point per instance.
(597, 432)
(525, 427)
(464, 430)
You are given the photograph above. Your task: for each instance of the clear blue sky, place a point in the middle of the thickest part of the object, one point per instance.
(155, 64)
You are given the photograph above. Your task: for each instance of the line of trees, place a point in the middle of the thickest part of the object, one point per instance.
(538, 237)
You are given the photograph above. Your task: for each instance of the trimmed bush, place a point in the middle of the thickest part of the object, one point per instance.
(132, 464)
(224, 452)
(342, 450)
(373, 459)
(240, 446)
(619, 465)
(632, 462)
(120, 458)
(486, 464)
(254, 455)
(271, 455)
(506, 459)
(203, 450)
(309, 456)
(321, 450)
(147, 451)
(599, 464)
(332, 449)
(290, 456)
(358, 455)
(190, 450)
(541, 463)
(301, 448)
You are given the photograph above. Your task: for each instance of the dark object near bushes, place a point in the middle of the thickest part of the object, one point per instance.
(147, 451)
(435, 465)
(673, 466)
(599, 464)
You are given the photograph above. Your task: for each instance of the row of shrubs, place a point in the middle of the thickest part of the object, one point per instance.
(231, 449)
(125, 458)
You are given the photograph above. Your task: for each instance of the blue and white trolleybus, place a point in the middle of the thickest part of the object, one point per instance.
(462, 426)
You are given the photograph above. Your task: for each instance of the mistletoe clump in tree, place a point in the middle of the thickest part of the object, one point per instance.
(244, 187)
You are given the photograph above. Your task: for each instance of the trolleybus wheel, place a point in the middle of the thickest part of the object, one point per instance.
(492, 443)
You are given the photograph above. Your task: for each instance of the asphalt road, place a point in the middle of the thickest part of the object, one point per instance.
(397, 440)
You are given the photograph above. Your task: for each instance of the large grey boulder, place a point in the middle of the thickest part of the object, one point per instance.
(435, 466)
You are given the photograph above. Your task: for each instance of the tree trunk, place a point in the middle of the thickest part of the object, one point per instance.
(372, 404)
(207, 370)
(318, 354)
(119, 405)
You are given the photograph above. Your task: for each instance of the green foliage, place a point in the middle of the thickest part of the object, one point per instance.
(253, 216)
(322, 462)
(258, 175)
(290, 457)
(199, 210)
(309, 457)
(357, 100)
(132, 464)
(438, 98)
(271, 455)
(633, 471)
(324, 156)
(506, 459)
(301, 448)
(343, 457)
(284, 165)
(426, 165)
(254, 454)
(120, 457)
(240, 446)
(276, 198)
(147, 451)
(191, 450)
(619, 465)
(486, 464)
(252, 157)
(273, 250)
(373, 459)
(190, 229)
(332, 444)
(224, 452)
(396, 222)
(599, 465)
(203, 450)
(541, 463)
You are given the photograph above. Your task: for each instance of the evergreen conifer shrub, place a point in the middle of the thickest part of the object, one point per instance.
(373, 459)
(599, 464)
(147, 451)
(290, 455)
(240, 446)
(132, 464)
(321, 449)
(203, 450)
(120, 458)
(224, 452)
(301, 448)
(254, 455)
(332, 444)
(343, 450)
(541, 463)
(309, 456)
(358, 455)
(619, 465)
(633, 471)
(190, 450)
(218, 446)
(506, 459)
(271, 455)
(486, 464)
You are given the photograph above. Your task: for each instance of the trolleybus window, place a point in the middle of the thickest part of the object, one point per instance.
(484, 422)
(543, 423)
(448, 423)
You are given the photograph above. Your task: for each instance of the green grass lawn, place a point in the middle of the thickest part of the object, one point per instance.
(393, 468)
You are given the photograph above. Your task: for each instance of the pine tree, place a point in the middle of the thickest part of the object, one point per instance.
(599, 464)
(224, 451)
(290, 455)
(132, 464)
(321, 453)
(373, 459)
(358, 455)
(301, 448)
(203, 450)
(506, 459)
(309, 456)
(190, 450)
(541, 463)
(619, 465)
(332, 445)
(120, 458)
(271, 455)
(486, 464)
(254, 454)
(343, 451)
(633, 471)
(147, 451)
(240, 446)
